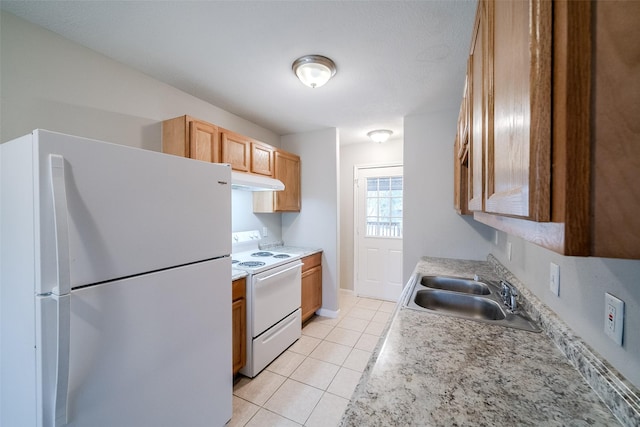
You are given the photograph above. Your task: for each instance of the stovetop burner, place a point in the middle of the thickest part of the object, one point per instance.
(262, 253)
(282, 256)
(251, 264)
(234, 261)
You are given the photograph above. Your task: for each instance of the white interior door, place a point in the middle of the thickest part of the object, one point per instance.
(378, 229)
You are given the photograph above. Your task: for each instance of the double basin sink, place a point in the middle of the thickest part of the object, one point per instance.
(473, 299)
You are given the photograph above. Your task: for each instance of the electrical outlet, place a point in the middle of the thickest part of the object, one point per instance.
(509, 250)
(265, 231)
(613, 317)
(554, 279)
(495, 237)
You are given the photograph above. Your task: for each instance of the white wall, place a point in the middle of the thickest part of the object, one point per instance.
(244, 219)
(317, 224)
(351, 155)
(583, 283)
(52, 83)
(432, 226)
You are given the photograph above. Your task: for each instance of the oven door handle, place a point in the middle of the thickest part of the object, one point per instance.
(298, 264)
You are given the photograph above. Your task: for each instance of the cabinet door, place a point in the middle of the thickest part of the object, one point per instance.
(239, 324)
(203, 142)
(235, 151)
(311, 297)
(287, 170)
(518, 147)
(239, 330)
(460, 178)
(476, 114)
(262, 159)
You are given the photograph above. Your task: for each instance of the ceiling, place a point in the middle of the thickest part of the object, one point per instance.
(394, 58)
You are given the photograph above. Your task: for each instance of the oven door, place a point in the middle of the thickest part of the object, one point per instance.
(275, 294)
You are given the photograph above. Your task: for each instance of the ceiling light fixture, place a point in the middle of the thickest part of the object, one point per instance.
(380, 135)
(314, 70)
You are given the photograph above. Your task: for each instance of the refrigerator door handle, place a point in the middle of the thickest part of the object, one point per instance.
(61, 226)
(61, 292)
(63, 315)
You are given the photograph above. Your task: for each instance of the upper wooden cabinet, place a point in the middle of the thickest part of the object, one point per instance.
(188, 137)
(236, 150)
(553, 105)
(287, 170)
(262, 159)
(476, 82)
(518, 143)
(510, 96)
(460, 178)
(245, 154)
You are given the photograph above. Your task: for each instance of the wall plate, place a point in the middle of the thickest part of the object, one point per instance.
(613, 317)
(554, 279)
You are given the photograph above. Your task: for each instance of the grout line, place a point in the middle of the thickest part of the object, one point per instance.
(346, 311)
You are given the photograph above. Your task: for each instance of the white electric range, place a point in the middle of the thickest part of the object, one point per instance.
(273, 297)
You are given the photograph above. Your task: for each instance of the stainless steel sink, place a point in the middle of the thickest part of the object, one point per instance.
(456, 284)
(470, 299)
(462, 304)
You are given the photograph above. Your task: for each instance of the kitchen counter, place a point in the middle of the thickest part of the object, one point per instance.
(433, 370)
(237, 274)
(280, 247)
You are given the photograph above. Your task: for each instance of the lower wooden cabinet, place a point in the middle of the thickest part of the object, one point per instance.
(311, 285)
(239, 324)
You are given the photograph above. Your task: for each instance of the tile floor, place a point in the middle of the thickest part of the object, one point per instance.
(311, 383)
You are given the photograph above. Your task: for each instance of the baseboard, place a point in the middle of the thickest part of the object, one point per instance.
(328, 313)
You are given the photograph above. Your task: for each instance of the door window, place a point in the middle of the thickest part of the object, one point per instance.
(384, 206)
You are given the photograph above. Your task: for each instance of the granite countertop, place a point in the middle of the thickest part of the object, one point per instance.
(433, 370)
(278, 246)
(237, 274)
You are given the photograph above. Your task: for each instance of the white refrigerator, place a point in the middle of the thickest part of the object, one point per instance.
(115, 292)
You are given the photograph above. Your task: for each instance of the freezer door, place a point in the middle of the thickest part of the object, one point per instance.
(128, 211)
(154, 350)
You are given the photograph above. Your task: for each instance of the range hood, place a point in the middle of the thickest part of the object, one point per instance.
(250, 182)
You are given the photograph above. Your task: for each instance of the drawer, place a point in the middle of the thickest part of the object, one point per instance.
(311, 261)
(238, 290)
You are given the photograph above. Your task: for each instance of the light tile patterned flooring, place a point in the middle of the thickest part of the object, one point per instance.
(311, 383)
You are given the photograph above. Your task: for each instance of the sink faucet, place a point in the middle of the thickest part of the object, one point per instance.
(509, 295)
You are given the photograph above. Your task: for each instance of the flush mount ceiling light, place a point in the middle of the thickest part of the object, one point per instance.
(314, 70)
(380, 135)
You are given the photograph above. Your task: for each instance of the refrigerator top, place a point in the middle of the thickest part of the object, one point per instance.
(128, 211)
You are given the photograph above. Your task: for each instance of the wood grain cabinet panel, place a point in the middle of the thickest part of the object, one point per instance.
(236, 150)
(616, 139)
(518, 143)
(476, 81)
(239, 324)
(311, 285)
(561, 151)
(287, 170)
(262, 159)
(188, 137)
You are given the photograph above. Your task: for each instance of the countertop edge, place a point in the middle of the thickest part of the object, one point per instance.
(620, 396)
(615, 392)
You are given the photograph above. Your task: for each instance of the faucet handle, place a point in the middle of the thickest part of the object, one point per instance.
(509, 295)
